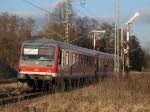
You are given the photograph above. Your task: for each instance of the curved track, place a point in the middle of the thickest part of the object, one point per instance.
(16, 95)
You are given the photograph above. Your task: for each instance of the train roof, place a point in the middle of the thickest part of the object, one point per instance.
(51, 42)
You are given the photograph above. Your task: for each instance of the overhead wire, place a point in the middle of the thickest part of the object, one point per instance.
(36, 6)
(91, 13)
(42, 9)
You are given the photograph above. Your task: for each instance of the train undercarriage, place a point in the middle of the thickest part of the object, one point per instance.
(58, 83)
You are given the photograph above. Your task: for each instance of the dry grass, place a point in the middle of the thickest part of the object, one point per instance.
(130, 94)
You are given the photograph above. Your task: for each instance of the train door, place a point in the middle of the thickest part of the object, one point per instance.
(60, 60)
(96, 66)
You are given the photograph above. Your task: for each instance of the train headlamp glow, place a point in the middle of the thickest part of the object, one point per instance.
(21, 76)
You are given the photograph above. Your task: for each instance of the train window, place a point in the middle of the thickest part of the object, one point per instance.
(70, 58)
(103, 61)
(91, 61)
(67, 58)
(38, 53)
(74, 57)
(99, 61)
(84, 60)
(88, 61)
(63, 57)
(106, 60)
(79, 59)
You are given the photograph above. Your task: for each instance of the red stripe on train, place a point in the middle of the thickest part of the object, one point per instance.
(38, 69)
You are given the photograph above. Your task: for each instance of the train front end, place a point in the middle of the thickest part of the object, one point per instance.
(38, 61)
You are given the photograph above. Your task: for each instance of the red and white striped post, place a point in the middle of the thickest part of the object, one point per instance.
(128, 28)
(94, 37)
(94, 40)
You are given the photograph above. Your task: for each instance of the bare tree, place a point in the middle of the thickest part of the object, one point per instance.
(13, 30)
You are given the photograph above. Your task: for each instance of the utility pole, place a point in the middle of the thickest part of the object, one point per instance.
(118, 42)
(117, 49)
(122, 51)
(67, 11)
(128, 28)
(67, 21)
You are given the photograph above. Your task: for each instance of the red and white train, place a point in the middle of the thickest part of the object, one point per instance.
(46, 60)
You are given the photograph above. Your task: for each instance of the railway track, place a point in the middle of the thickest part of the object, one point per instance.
(16, 96)
(8, 81)
(10, 92)
(15, 99)
(10, 97)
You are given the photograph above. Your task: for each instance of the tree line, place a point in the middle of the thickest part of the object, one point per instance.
(14, 30)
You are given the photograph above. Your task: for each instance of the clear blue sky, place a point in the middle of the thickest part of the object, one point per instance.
(101, 8)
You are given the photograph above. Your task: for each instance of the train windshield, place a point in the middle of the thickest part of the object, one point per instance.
(35, 53)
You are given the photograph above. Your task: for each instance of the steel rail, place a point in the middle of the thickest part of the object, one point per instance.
(5, 81)
(18, 98)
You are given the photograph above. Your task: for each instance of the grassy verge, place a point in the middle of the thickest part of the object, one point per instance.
(130, 94)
